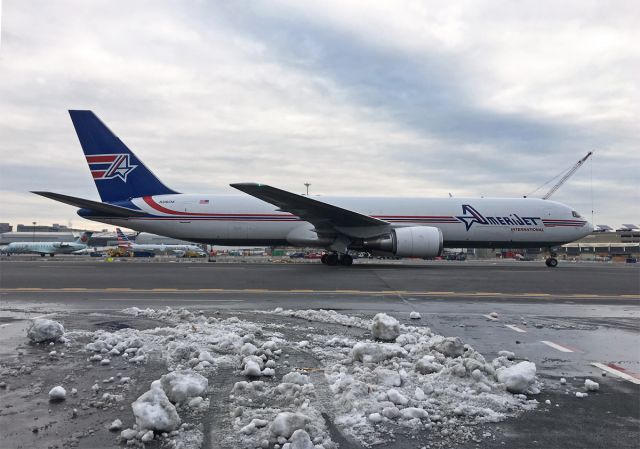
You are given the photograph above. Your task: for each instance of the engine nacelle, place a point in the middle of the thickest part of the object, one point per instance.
(410, 241)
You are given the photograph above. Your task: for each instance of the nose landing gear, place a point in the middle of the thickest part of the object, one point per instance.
(551, 261)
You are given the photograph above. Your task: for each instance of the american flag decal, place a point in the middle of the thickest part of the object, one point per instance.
(204, 201)
(110, 166)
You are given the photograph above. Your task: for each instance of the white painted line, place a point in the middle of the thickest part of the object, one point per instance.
(515, 328)
(489, 317)
(556, 346)
(618, 373)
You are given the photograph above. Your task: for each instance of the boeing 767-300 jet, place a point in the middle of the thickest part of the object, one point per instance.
(133, 197)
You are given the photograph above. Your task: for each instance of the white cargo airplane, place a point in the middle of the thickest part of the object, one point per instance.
(156, 248)
(51, 248)
(133, 197)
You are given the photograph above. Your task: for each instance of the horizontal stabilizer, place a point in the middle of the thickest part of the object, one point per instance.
(108, 209)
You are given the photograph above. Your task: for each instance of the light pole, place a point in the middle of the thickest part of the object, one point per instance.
(307, 186)
(34, 231)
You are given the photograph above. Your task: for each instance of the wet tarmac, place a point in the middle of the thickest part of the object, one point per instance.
(565, 320)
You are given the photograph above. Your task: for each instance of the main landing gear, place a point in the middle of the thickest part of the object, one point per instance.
(333, 259)
(551, 261)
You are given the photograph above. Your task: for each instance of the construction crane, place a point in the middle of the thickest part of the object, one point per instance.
(567, 174)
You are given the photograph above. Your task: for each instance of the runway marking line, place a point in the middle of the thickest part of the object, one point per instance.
(315, 292)
(515, 328)
(557, 346)
(617, 371)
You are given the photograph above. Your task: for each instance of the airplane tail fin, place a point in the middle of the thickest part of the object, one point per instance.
(123, 240)
(84, 237)
(118, 173)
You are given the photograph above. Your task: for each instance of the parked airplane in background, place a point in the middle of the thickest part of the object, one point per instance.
(178, 250)
(133, 197)
(51, 248)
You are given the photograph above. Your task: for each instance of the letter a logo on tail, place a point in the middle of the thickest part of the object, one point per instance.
(110, 166)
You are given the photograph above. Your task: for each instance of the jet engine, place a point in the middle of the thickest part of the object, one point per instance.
(410, 241)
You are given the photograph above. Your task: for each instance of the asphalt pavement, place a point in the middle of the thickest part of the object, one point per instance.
(577, 321)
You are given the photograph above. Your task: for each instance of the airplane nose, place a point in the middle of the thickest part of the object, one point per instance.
(589, 227)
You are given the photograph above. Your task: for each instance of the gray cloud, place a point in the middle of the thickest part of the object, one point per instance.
(381, 99)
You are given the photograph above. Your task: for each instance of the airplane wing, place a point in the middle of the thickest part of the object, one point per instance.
(108, 209)
(326, 218)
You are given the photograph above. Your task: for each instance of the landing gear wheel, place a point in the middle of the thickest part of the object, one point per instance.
(331, 259)
(552, 262)
(42, 254)
(323, 258)
(346, 260)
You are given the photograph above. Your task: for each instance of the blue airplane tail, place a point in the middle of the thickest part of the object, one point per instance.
(118, 173)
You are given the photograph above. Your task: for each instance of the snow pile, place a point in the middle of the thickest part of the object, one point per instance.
(42, 330)
(519, 378)
(57, 394)
(450, 347)
(115, 425)
(154, 411)
(376, 352)
(403, 379)
(286, 408)
(419, 381)
(385, 327)
(252, 366)
(286, 423)
(182, 385)
(299, 440)
(325, 316)
(590, 385)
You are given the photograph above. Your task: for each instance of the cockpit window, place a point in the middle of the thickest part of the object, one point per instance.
(575, 214)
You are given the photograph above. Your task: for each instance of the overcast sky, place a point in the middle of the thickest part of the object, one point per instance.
(393, 98)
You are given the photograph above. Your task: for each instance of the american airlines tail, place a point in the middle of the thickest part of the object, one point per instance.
(123, 240)
(117, 172)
